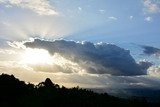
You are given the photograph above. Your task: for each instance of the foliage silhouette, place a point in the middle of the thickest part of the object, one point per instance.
(14, 92)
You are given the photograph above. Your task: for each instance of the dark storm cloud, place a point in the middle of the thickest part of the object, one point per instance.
(149, 50)
(99, 58)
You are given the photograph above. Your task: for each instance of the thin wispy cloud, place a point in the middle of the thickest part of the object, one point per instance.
(151, 6)
(41, 7)
(102, 11)
(80, 8)
(148, 19)
(130, 17)
(112, 18)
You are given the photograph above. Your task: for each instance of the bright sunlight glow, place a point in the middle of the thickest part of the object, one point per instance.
(36, 56)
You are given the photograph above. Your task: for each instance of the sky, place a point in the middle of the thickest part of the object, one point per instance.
(90, 43)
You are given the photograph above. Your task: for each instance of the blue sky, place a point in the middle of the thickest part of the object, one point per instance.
(93, 20)
(129, 24)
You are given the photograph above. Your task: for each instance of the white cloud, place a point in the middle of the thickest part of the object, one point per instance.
(7, 51)
(131, 17)
(154, 71)
(8, 6)
(148, 19)
(151, 6)
(112, 18)
(79, 8)
(102, 11)
(17, 45)
(41, 7)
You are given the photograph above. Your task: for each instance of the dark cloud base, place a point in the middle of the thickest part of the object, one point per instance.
(101, 58)
(149, 50)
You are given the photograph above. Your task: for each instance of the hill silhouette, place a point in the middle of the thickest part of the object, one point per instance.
(14, 92)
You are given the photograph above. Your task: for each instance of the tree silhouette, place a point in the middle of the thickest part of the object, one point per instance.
(14, 92)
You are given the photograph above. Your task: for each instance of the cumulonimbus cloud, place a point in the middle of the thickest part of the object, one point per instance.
(100, 58)
(41, 7)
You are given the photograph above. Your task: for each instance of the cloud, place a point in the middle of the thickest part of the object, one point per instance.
(130, 17)
(41, 7)
(151, 6)
(57, 64)
(102, 11)
(16, 44)
(112, 18)
(7, 51)
(80, 8)
(154, 71)
(100, 58)
(149, 50)
(145, 64)
(66, 72)
(105, 82)
(148, 19)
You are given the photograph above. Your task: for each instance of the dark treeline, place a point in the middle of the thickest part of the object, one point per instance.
(16, 93)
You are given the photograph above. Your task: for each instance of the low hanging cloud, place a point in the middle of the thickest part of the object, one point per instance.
(41, 7)
(100, 58)
(149, 50)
